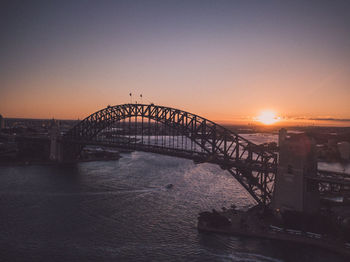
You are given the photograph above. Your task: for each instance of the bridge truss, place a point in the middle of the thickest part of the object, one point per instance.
(332, 184)
(175, 132)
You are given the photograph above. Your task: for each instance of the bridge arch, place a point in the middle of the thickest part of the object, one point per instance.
(253, 167)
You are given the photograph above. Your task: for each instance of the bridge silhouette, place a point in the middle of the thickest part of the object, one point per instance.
(174, 132)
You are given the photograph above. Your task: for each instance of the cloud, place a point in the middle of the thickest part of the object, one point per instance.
(330, 119)
(300, 118)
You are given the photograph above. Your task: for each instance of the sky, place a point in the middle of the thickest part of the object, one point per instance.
(223, 60)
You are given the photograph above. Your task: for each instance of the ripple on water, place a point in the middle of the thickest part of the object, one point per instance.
(121, 211)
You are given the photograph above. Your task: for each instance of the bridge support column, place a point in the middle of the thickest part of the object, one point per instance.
(297, 162)
(61, 150)
(55, 145)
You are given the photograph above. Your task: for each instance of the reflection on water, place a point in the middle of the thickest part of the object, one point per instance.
(122, 211)
(261, 138)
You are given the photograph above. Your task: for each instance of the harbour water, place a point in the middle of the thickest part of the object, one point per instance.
(122, 211)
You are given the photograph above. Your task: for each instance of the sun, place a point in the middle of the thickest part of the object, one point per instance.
(267, 117)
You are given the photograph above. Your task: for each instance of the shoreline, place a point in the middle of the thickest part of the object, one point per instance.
(256, 231)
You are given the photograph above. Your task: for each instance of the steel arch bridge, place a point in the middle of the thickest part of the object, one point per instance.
(170, 131)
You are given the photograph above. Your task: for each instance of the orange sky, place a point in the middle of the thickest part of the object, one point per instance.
(222, 61)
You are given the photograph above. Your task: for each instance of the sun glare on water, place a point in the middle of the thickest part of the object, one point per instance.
(267, 117)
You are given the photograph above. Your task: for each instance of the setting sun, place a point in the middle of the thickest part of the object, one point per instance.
(267, 117)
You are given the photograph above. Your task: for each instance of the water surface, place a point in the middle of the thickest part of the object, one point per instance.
(121, 211)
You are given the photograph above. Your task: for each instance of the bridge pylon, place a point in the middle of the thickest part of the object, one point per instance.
(55, 145)
(60, 149)
(297, 162)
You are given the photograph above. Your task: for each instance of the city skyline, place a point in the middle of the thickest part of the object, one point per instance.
(224, 60)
